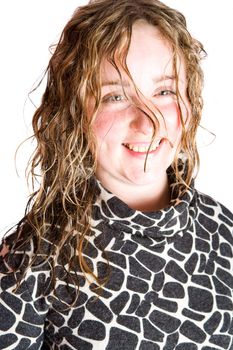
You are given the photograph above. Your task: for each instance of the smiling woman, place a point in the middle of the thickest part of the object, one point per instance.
(117, 249)
(139, 120)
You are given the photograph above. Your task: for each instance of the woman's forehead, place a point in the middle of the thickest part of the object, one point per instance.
(150, 56)
(110, 74)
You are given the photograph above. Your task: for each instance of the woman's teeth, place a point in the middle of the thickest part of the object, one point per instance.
(142, 149)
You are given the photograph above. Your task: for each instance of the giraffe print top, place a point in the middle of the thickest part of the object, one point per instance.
(170, 284)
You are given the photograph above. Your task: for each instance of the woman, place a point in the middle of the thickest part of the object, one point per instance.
(117, 249)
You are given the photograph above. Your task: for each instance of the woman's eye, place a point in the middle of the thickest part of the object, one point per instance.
(114, 102)
(164, 96)
(166, 92)
(113, 98)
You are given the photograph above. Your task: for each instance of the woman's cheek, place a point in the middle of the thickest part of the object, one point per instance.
(171, 115)
(103, 124)
(172, 120)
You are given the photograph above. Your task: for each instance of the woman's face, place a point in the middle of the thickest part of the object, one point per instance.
(123, 132)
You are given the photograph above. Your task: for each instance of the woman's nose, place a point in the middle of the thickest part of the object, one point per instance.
(141, 122)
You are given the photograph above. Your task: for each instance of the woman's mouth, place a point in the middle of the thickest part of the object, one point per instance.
(143, 149)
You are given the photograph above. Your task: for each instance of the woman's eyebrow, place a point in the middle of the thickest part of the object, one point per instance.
(115, 82)
(161, 78)
(126, 83)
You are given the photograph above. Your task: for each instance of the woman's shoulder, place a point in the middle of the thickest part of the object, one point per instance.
(24, 270)
(14, 250)
(214, 216)
(213, 206)
(21, 249)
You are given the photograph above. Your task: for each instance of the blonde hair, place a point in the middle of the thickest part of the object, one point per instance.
(60, 210)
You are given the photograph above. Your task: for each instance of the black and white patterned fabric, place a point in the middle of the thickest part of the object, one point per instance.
(170, 284)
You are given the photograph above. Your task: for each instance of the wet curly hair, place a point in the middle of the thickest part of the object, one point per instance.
(64, 156)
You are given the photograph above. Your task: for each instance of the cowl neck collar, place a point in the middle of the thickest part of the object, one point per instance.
(166, 222)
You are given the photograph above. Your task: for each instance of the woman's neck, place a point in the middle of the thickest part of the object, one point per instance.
(149, 197)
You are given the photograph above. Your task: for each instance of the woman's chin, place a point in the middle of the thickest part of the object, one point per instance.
(144, 178)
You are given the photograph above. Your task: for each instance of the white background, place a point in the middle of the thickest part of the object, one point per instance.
(29, 27)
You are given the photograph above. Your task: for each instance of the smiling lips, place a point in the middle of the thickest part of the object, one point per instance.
(142, 148)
